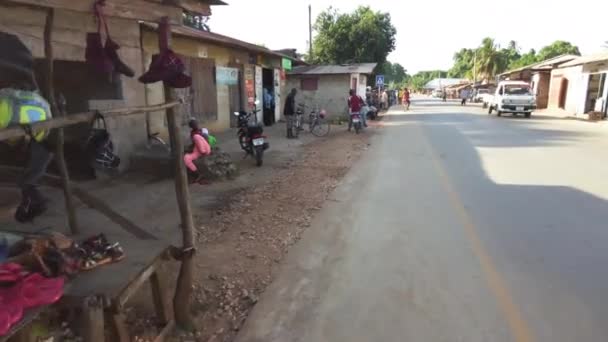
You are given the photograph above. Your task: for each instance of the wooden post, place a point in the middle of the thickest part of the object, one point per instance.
(183, 290)
(50, 95)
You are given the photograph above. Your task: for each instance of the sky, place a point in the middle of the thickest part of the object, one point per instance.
(428, 32)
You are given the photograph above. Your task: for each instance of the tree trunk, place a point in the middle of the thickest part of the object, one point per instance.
(183, 290)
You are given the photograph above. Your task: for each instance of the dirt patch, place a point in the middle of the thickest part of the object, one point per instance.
(244, 240)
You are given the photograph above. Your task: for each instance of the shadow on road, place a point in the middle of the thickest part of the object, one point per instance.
(482, 131)
(549, 241)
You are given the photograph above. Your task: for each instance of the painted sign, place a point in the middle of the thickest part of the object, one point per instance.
(379, 80)
(286, 62)
(227, 76)
(250, 89)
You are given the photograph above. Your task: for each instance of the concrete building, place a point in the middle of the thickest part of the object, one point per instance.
(579, 86)
(83, 88)
(539, 76)
(440, 83)
(327, 86)
(228, 75)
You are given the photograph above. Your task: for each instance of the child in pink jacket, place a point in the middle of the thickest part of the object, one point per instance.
(200, 148)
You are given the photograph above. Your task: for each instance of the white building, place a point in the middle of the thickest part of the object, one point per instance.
(579, 86)
(327, 86)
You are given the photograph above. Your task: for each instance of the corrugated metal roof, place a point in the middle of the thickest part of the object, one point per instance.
(362, 68)
(547, 64)
(598, 57)
(219, 39)
(444, 82)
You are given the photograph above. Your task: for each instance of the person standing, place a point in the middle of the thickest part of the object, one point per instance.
(384, 100)
(21, 104)
(290, 112)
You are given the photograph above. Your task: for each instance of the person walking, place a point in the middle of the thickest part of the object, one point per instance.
(406, 99)
(290, 112)
(464, 95)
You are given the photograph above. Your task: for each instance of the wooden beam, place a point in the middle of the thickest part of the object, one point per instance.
(10, 172)
(93, 320)
(183, 290)
(73, 119)
(59, 142)
(126, 9)
(160, 294)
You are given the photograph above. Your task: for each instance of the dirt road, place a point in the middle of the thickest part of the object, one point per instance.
(243, 242)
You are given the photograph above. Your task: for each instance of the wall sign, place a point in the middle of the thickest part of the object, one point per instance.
(286, 63)
(227, 76)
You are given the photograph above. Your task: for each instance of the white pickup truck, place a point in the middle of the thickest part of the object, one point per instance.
(513, 97)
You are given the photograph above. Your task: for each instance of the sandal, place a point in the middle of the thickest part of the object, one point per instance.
(99, 252)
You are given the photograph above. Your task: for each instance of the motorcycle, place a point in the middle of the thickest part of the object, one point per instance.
(370, 111)
(251, 136)
(356, 119)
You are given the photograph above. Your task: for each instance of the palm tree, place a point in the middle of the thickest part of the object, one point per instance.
(488, 59)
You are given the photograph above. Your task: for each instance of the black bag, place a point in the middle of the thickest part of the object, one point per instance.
(32, 205)
(99, 148)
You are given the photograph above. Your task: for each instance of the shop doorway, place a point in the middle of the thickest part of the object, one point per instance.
(268, 101)
(595, 89)
(563, 93)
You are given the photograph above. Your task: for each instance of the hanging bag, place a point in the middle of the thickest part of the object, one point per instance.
(95, 53)
(99, 147)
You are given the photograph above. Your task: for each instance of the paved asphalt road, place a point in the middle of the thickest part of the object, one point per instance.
(457, 226)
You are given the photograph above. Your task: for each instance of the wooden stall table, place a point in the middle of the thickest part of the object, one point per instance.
(107, 289)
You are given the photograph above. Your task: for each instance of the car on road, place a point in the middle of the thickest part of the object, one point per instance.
(479, 95)
(515, 97)
(437, 93)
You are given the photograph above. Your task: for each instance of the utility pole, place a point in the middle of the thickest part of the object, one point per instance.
(310, 32)
(475, 68)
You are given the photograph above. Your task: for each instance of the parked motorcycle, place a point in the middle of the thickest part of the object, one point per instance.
(251, 135)
(370, 111)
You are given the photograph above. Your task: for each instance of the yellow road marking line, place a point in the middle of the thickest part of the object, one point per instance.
(518, 326)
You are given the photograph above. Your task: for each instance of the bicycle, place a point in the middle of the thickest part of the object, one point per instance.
(155, 139)
(317, 123)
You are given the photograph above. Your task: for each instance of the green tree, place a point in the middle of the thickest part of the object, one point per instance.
(557, 48)
(393, 72)
(490, 60)
(510, 54)
(420, 79)
(463, 64)
(528, 58)
(363, 36)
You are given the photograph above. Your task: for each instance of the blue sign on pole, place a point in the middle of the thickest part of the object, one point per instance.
(379, 80)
